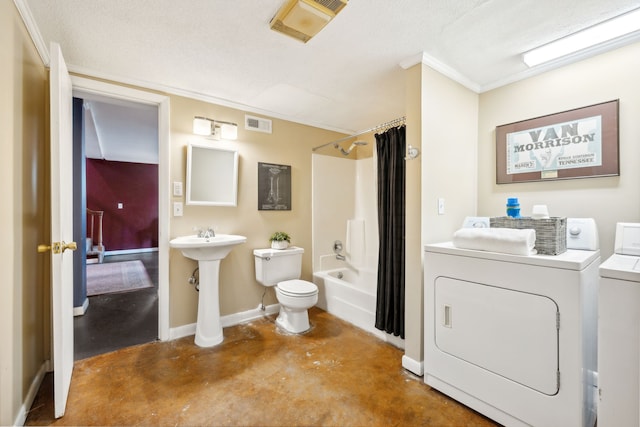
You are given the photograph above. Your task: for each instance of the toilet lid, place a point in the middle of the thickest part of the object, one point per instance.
(297, 287)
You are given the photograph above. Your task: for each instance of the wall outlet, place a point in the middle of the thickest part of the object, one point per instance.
(120, 205)
(440, 206)
(177, 209)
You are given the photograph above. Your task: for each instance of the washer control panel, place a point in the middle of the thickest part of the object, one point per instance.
(627, 238)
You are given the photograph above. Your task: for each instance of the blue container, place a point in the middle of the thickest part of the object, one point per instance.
(513, 207)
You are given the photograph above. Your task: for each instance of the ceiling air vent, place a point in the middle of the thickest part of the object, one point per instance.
(257, 124)
(303, 19)
(334, 5)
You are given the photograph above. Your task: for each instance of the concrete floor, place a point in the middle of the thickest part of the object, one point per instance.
(336, 374)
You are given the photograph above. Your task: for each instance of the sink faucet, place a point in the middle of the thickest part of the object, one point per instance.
(207, 234)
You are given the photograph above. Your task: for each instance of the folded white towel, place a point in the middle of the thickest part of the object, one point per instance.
(503, 240)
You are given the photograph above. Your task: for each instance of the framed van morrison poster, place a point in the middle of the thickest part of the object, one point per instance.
(274, 187)
(580, 143)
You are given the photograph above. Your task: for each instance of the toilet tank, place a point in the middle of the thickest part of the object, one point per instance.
(277, 265)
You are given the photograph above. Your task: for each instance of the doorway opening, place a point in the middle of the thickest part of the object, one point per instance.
(132, 224)
(117, 189)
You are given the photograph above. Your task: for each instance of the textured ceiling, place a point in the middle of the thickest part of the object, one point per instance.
(346, 78)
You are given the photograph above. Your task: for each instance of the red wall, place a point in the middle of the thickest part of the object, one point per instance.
(135, 185)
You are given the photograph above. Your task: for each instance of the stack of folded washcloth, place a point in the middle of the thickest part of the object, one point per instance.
(503, 240)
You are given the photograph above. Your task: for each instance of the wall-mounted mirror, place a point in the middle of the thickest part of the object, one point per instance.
(212, 176)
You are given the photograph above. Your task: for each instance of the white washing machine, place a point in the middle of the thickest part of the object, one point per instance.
(514, 337)
(619, 331)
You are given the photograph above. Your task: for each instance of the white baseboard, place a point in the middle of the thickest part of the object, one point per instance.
(130, 251)
(80, 311)
(413, 365)
(182, 331)
(246, 316)
(31, 395)
(228, 320)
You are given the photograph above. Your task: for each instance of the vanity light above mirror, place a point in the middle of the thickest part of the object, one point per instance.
(215, 128)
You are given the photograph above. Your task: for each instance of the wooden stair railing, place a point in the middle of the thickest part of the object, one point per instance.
(95, 250)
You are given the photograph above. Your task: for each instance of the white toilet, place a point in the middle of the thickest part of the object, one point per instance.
(281, 268)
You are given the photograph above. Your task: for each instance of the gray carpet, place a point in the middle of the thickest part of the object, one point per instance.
(116, 277)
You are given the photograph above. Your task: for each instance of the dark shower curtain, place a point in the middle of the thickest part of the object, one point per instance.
(390, 148)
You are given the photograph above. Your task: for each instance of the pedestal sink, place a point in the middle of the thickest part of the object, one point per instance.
(208, 251)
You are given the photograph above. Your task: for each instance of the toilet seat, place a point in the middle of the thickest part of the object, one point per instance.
(297, 288)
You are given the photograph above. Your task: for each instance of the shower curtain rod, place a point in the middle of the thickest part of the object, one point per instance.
(393, 123)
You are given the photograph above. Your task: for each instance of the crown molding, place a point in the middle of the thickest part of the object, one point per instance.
(32, 29)
(426, 59)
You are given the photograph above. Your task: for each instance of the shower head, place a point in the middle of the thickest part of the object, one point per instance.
(351, 147)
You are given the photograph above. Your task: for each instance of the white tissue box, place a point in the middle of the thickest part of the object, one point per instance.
(551, 233)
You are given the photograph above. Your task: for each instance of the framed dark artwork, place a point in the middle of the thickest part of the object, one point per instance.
(274, 187)
(579, 143)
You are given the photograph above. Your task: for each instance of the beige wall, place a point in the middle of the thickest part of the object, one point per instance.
(449, 131)
(289, 144)
(613, 75)
(413, 187)
(23, 168)
(442, 118)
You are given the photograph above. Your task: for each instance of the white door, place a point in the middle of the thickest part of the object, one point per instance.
(61, 227)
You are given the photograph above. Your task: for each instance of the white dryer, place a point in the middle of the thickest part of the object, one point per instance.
(514, 337)
(619, 331)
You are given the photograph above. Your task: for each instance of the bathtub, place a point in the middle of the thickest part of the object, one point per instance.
(350, 294)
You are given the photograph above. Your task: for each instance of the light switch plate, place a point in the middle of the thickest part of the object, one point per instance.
(177, 188)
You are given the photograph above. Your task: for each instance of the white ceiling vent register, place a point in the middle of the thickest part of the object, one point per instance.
(303, 19)
(257, 124)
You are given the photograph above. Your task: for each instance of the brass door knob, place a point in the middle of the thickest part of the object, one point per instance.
(44, 248)
(58, 247)
(71, 246)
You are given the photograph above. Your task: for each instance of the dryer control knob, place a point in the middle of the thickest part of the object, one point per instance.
(575, 231)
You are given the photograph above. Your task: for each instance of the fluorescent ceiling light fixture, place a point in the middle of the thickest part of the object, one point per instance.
(218, 129)
(594, 36)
